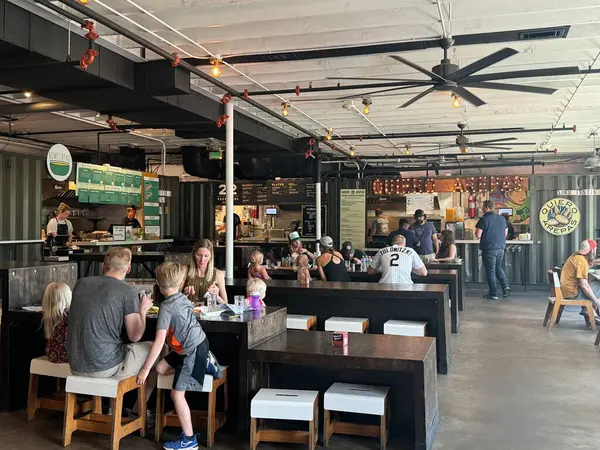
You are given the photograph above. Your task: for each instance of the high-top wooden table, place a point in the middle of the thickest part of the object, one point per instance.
(379, 302)
(460, 268)
(307, 360)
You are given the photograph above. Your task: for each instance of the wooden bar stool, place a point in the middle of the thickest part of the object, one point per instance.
(210, 419)
(349, 324)
(96, 422)
(284, 404)
(357, 399)
(41, 367)
(301, 322)
(404, 328)
(556, 304)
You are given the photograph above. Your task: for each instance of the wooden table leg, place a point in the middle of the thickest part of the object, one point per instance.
(32, 398)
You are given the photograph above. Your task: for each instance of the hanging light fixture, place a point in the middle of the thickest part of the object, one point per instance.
(215, 70)
(592, 164)
(27, 94)
(284, 109)
(329, 136)
(367, 102)
(456, 101)
(352, 151)
(84, 2)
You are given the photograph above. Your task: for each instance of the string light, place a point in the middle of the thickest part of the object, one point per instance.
(27, 94)
(456, 101)
(329, 136)
(84, 2)
(284, 110)
(367, 102)
(352, 152)
(215, 70)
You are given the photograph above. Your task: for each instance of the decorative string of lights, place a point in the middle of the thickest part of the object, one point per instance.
(403, 186)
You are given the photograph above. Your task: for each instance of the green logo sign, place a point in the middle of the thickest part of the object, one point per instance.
(59, 162)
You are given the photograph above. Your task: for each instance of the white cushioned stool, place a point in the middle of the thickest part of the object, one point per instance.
(210, 419)
(350, 324)
(42, 367)
(358, 399)
(113, 425)
(284, 404)
(404, 328)
(301, 322)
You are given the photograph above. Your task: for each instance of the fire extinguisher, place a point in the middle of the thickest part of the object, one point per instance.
(472, 206)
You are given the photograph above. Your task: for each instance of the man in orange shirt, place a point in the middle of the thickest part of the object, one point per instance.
(574, 282)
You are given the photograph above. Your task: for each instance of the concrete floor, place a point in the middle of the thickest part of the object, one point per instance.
(512, 386)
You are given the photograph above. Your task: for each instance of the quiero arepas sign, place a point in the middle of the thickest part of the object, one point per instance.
(59, 162)
(560, 216)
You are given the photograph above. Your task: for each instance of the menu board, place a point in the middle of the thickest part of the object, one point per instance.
(270, 192)
(108, 185)
(352, 216)
(309, 220)
(151, 205)
(419, 201)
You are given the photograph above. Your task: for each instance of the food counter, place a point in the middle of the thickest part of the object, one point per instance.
(14, 244)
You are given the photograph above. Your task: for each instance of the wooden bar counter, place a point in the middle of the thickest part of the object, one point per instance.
(451, 277)
(379, 302)
(307, 360)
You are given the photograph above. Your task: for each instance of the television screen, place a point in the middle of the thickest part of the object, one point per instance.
(508, 211)
(271, 211)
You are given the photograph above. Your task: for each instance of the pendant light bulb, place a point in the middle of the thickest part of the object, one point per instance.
(84, 2)
(284, 111)
(366, 109)
(456, 101)
(27, 94)
(329, 136)
(367, 102)
(215, 70)
(352, 152)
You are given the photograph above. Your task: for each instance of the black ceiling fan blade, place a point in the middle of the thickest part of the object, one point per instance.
(511, 87)
(468, 96)
(430, 74)
(348, 97)
(482, 63)
(375, 79)
(494, 141)
(489, 147)
(532, 73)
(417, 97)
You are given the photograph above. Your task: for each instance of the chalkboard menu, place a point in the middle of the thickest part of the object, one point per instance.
(108, 185)
(309, 220)
(270, 192)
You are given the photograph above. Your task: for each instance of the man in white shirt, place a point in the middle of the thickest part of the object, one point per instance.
(397, 262)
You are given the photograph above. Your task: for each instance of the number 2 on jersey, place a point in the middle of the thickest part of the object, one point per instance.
(394, 260)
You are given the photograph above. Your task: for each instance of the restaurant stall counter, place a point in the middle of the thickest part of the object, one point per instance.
(377, 302)
(307, 360)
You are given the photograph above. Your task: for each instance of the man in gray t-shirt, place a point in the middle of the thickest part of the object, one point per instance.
(100, 308)
(427, 236)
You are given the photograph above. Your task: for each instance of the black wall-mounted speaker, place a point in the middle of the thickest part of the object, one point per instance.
(197, 164)
(131, 158)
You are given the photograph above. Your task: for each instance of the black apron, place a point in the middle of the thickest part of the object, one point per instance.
(62, 233)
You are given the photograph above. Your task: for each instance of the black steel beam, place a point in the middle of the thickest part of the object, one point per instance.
(424, 134)
(348, 87)
(394, 158)
(99, 18)
(37, 107)
(395, 171)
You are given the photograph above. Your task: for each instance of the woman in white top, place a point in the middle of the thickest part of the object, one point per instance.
(60, 226)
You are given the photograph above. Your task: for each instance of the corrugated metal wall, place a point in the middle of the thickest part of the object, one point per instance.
(551, 250)
(21, 203)
(171, 214)
(197, 203)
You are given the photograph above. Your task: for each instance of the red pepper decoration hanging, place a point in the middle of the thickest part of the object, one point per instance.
(113, 125)
(87, 58)
(311, 142)
(308, 154)
(91, 34)
(177, 60)
(221, 120)
(246, 94)
(226, 98)
(298, 91)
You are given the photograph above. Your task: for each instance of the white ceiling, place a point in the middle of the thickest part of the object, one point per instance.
(236, 27)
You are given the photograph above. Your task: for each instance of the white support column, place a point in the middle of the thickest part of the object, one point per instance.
(229, 191)
(318, 203)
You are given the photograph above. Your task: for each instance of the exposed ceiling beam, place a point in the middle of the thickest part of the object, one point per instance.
(37, 107)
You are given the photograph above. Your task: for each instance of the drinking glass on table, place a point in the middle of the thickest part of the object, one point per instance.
(211, 301)
(239, 303)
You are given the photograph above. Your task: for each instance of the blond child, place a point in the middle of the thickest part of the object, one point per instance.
(303, 270)
(55, 307)
(190, 357)
(256, 269)
(256, 286)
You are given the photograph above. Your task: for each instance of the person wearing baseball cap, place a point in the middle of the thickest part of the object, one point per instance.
(429, 244)
(331, 262)
(574, 282)
(296, 248)
(350, 253)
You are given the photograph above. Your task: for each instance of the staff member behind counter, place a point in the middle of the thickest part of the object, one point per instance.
(59, 227)
(130, 220)
(379, 230)
(237, 226)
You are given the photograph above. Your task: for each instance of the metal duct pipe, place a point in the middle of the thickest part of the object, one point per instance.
(37, 107)
(347, 87)
(99, 18)
(395, 158)
(453, 133)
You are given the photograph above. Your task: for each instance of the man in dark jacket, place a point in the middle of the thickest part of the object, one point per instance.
(403, 229)
(492, 231)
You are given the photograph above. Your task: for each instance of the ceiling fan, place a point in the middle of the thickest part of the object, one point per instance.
(463, 143)
(448, 77)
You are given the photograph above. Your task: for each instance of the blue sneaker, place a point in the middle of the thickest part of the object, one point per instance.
(182, 444)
